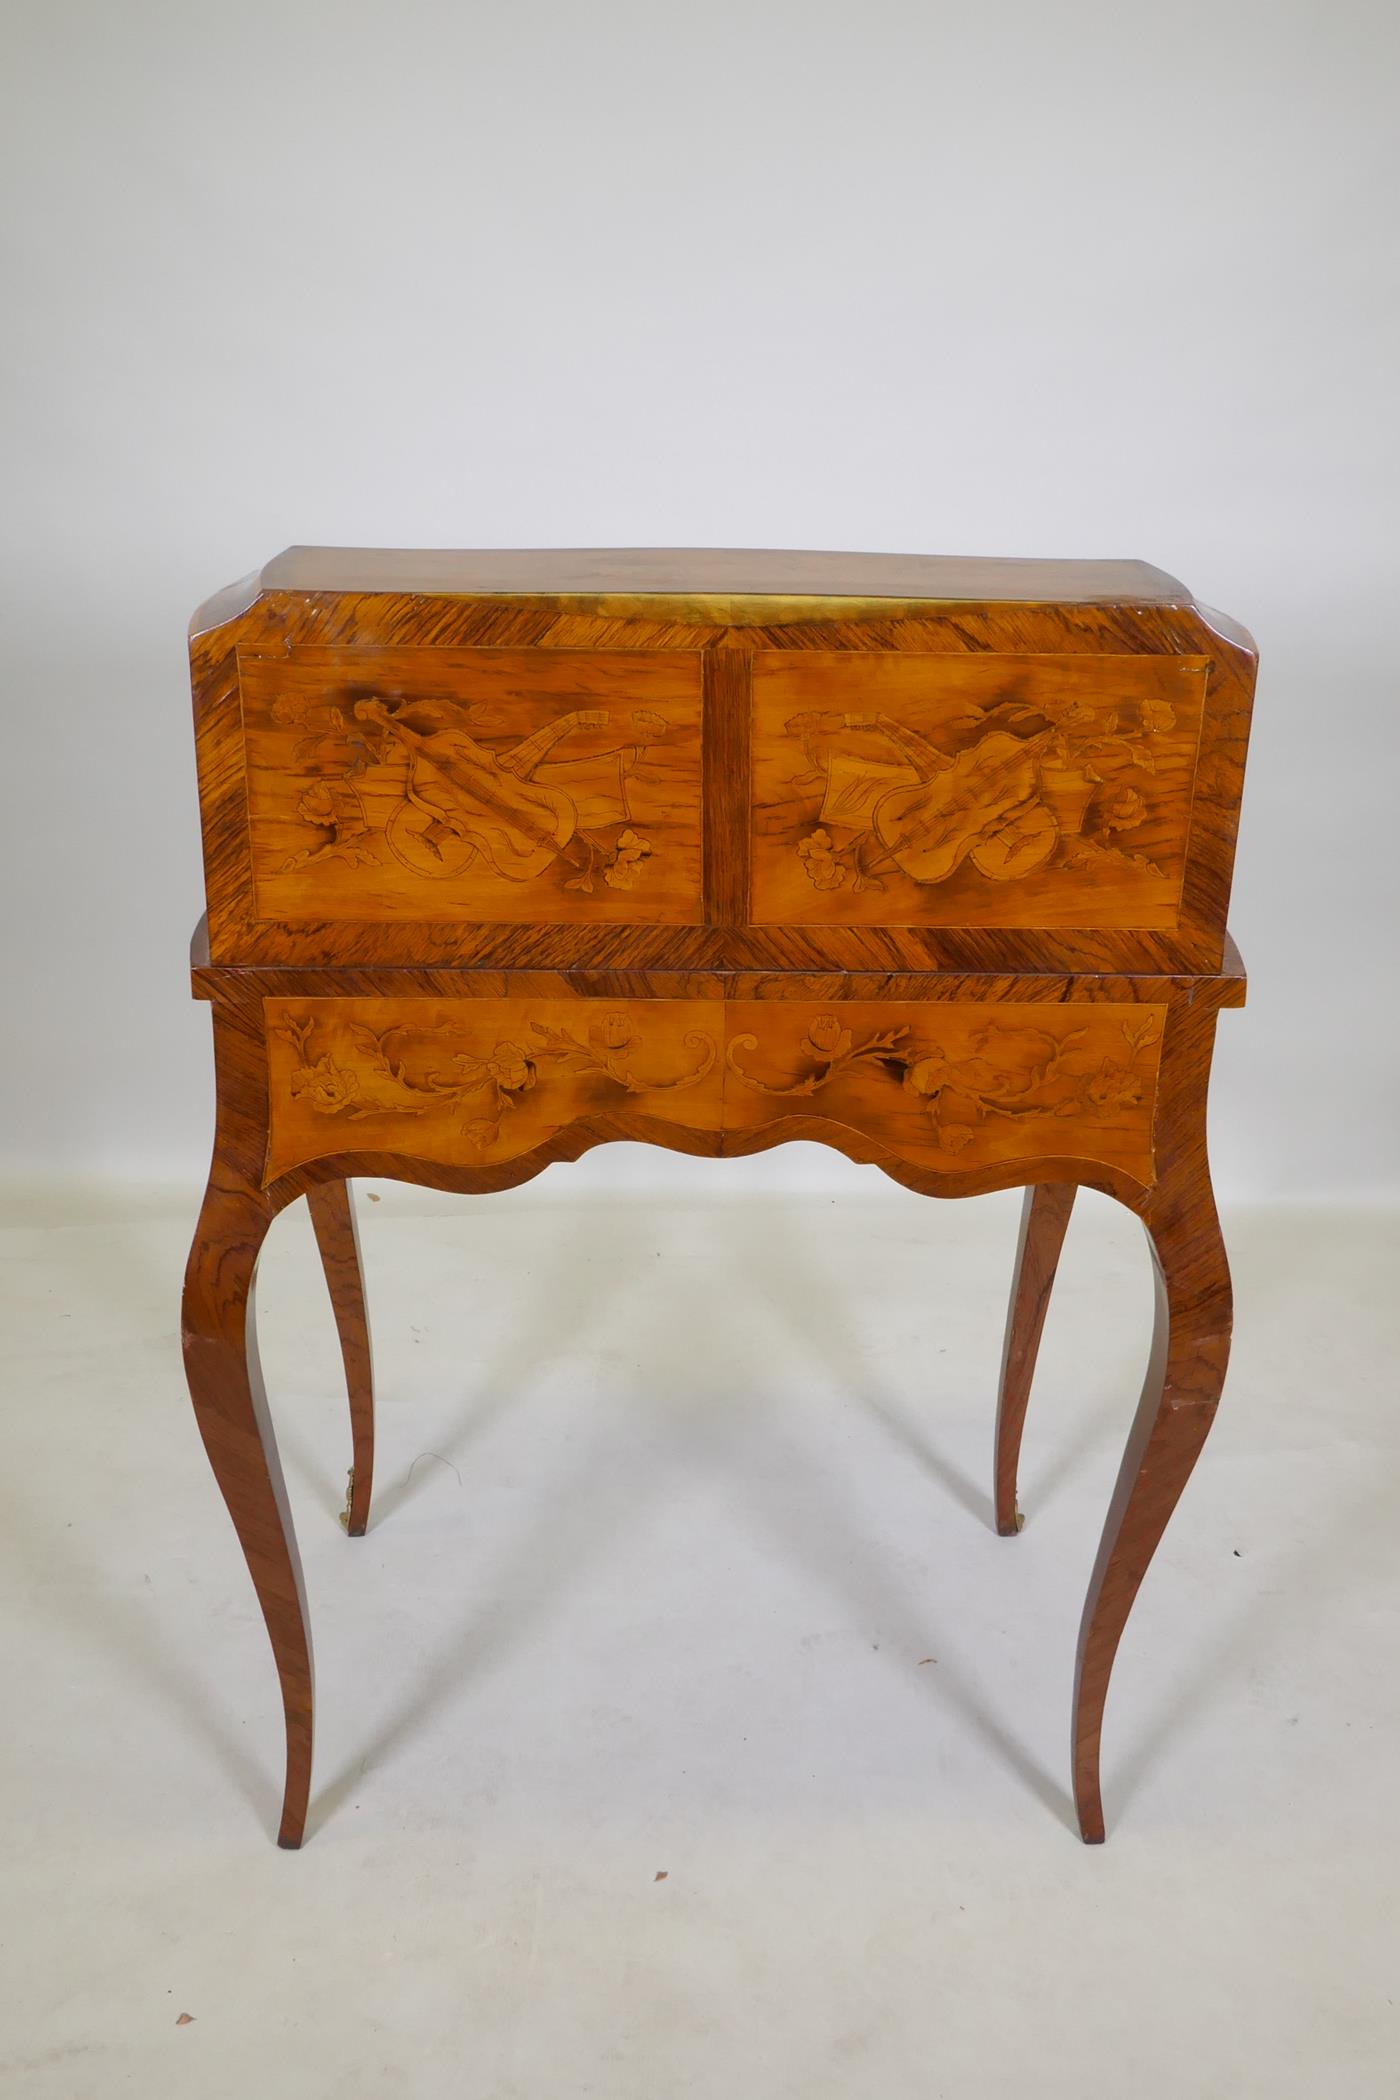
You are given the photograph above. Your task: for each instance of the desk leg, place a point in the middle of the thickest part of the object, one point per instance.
(1044, 1217)
(333, 1216)
(225, 1381)
(1185, 1373)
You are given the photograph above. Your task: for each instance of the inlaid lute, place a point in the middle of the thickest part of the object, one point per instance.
(985, 804)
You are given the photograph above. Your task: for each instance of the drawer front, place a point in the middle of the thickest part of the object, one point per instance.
(474, 1082)
(949, 1085)
(954, 1085)
(973, 790)
(398, 785)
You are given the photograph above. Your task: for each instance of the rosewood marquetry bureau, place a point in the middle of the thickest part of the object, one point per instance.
(508, 854)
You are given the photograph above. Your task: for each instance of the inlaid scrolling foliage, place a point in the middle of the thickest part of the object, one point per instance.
(956, 1083)
(511, 786)
(1012, 1073)
(973, 790)
(481, 1079)
(479, 1090)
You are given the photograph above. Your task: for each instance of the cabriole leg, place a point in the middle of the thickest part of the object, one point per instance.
(1044, 1216)
(333, 1217)
(225, 1381)
(1185, 1373)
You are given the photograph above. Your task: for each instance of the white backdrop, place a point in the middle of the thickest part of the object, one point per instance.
(996, 278)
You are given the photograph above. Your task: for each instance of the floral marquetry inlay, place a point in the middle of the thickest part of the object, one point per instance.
(479, 1080)
(955, 1085)
(1003, 1070)
(948, 1084)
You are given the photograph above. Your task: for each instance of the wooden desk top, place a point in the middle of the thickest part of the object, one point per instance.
(695, 575)
(768, 572)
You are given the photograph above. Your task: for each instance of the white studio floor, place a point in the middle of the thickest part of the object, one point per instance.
(682, 1567)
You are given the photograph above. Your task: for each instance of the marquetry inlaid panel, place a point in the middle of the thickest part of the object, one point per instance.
(477, 1081)
(953, 1085)
(401, 784)
(972, 790)
(949, 1084)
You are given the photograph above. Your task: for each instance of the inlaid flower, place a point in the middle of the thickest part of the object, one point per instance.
(1114, 1085)
(1122, 810)
(926, 1076)
(331, 1086)
(954, 1137)
(1065, 710)
(818, 857)
(826, 1039)
(613, 1032)
(629, 855)
(317, 805)
(1158, 716)
(512, 1068)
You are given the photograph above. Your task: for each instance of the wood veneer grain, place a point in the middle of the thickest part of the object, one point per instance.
(512, 855)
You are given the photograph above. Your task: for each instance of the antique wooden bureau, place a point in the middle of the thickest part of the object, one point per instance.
(508, 854)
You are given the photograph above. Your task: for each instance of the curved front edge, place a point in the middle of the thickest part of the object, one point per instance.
(572, 1143)
(455, 1178)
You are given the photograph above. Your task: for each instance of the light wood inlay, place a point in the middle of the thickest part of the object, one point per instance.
(512, 854)
(482, 1080)
(955, 1086)
(493, 784)
(972, 790)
